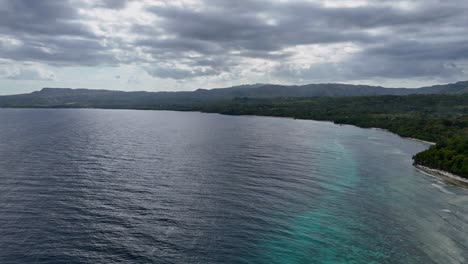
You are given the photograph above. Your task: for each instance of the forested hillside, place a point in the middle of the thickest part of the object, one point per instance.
(66, 97)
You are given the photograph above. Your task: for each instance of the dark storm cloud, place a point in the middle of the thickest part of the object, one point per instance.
(394, 39)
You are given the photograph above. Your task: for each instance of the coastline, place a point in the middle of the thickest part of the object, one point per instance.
(443, 175)
(423, 141)
(412, 138)
(446, 176)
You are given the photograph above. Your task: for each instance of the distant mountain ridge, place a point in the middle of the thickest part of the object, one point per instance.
(67, 97)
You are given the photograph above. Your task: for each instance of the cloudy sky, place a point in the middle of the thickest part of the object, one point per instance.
(185, 44)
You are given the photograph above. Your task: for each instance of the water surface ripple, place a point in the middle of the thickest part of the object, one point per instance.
(123, 186)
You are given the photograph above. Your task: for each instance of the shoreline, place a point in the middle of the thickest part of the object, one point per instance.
(412, 138)
(444, 175)
(422, 141)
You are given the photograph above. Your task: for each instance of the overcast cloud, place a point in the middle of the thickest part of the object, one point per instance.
(182, 45)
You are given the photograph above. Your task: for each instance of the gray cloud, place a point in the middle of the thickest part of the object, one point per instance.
(422, 50)
(28, 74)
(368, 68)
(112, 4)
(395, 42)
(33, 18)
(168, 72)
(58, 52)
(394, 39)
(282, 25)
(49, 31)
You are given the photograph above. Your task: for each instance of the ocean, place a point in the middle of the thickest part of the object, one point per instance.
(127, 186)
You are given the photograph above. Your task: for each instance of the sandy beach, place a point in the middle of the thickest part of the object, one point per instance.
(446, 176)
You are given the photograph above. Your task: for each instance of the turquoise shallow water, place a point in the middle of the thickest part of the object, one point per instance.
(320, 230)
(118, 186)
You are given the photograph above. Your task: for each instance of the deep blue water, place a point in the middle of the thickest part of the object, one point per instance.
(123, 186)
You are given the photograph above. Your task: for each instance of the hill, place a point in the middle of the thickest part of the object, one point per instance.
(66, 97)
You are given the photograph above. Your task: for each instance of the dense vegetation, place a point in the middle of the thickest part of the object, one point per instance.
(449, 155)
